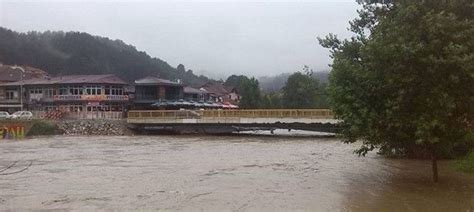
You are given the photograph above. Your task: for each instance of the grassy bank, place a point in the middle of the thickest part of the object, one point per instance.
(466, 164)
(42, 127)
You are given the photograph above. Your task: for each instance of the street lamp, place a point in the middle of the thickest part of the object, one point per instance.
(21, 83)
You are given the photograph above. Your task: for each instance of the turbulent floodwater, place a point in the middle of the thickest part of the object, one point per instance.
(220, 173)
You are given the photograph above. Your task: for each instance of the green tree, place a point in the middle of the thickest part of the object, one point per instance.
(405, 82)
(271, 100)
(236, 81)
(180, 68)
(250, 92)
(300, 91)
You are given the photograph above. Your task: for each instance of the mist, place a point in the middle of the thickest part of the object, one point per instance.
(212, 38)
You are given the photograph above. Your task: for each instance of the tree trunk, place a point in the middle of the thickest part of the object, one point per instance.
(434, 166)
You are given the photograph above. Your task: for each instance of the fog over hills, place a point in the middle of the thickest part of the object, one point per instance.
(270, 84)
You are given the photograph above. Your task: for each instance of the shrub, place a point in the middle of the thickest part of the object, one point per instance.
(466, 164)
(42, 128)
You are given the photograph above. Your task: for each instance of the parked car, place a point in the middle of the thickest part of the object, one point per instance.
(21, 115)
(4, 115)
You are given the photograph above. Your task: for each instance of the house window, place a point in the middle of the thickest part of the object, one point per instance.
(116, 90)
(11, 94)
(94, 90)
(49, 92)
(76, 90)
(63, 91)
(74, 108)
(36, 91)
(50, 108)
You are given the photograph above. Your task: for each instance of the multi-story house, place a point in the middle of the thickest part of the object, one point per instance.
(195, 94)
(73, 93)
(10, 98)
(219, 93)
(150, 90)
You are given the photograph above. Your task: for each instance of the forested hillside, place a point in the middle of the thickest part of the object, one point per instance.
(61, 53)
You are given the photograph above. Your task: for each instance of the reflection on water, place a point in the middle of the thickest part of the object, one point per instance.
(233, 173)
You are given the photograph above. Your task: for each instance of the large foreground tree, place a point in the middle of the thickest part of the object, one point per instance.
(405, 82)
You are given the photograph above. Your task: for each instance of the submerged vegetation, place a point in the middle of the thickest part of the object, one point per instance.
(41, 127)
(466, 164)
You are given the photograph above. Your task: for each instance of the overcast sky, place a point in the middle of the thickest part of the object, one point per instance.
(216, 38)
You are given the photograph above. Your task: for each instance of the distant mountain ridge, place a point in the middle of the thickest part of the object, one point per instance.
(63, 53)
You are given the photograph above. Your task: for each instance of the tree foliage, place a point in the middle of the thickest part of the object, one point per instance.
(271, 84)
(302, 91)
(61, 53)
(248, 88)
(250, 94)
(272, 100)
(236, 81)
(405, 81)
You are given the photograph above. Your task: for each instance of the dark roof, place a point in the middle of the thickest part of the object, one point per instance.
(72, 79)
(155, 81)
(215, 88)
(10, 74)
(192, 90)
(231, 89)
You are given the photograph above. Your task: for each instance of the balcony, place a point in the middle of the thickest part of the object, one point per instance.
(117, 97)
(89, 98)
(10, 101)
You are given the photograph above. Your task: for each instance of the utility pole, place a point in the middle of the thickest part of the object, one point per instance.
(22, 72)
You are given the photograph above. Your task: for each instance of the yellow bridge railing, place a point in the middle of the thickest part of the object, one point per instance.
(257, 113)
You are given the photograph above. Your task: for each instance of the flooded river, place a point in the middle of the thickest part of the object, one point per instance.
(220, 173)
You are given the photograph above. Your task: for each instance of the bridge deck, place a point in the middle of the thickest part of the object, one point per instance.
(228, 121)
(230, 116)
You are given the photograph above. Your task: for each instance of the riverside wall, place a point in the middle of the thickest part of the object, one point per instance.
(19, 129)
(93, 127)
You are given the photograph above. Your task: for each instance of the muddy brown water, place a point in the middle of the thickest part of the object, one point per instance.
(220, 173)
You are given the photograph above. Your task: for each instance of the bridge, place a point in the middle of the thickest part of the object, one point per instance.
(229, 121)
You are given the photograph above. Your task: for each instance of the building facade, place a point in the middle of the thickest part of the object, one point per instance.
(74, 93)
(10, 98)
(150, 90)
(219, 93)
(194, 94)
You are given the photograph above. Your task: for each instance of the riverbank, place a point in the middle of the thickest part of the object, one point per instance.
(119, 127)
(94, 127)
(77, 127)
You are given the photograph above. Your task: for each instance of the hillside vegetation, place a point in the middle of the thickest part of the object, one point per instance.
(270, 84)
(62, 53)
